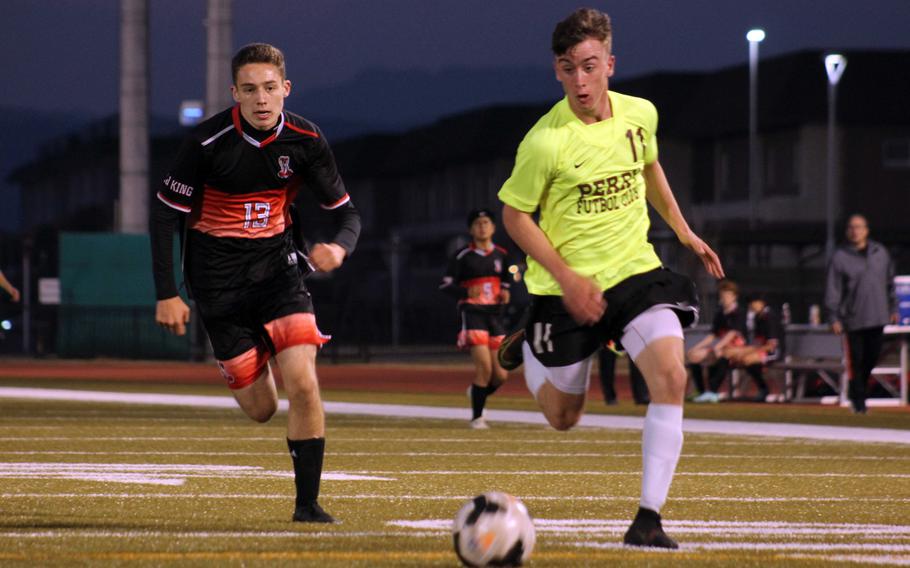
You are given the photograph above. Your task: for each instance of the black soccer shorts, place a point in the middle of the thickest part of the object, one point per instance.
(557, 340)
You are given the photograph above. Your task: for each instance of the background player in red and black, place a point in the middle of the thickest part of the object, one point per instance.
(727, 330)
(765, 343)
(233, 186)
(478, 277)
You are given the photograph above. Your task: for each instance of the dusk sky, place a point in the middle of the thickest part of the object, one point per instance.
(62, 55)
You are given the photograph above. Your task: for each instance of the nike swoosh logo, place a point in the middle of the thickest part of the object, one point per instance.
(580, 164)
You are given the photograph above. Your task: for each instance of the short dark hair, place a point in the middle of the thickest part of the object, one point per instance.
(582, 24)
(727, 285)
(258, 53)
(478, 213)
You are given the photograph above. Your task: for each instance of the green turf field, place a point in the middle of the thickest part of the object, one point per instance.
(114, 484)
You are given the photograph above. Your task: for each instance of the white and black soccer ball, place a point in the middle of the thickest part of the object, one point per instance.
(493, 529)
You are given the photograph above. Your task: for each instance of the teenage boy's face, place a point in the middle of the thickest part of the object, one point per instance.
(261, 91)
(482, 228)
(727, 298)
(585, 71)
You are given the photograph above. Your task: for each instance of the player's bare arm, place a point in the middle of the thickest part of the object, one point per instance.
(172, 314)
(660, 196)
(10, 289)
(581, 296)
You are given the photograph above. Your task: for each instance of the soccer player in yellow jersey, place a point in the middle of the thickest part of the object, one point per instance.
(589, 166)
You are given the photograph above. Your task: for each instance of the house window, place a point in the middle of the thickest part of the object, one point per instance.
(896, 153)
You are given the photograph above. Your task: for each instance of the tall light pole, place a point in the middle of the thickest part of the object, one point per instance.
(754, 37)
(835, 64)
(132, 209)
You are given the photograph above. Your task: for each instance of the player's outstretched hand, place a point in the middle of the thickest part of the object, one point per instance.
(326, 257)
(14, 294)
(708, 257)
(172, 314)
(583, 299)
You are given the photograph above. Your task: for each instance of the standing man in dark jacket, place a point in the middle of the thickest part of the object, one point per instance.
(860, 300)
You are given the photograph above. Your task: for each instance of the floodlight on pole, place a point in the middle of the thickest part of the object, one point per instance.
(835, 64)
(754, 37)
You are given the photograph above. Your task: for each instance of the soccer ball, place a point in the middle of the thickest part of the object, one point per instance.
(493, 529)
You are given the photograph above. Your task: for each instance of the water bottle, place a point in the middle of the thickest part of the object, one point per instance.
(785, 313)
(815, 315)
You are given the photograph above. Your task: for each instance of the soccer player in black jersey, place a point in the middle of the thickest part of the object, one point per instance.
(478, 279)
(232, 187)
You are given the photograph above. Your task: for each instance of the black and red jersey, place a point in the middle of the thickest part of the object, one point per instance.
(723, 323)
(472, 266)
(765, 326)
(236, 185)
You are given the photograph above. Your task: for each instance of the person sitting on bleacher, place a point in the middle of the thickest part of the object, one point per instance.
(727, 329)
(765, 336)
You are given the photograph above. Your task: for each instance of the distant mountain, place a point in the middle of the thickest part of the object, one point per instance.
(24, 131)
(383, 100)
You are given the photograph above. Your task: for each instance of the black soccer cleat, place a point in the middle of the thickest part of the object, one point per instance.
(312, 513)
(509, 353)
(646, 530)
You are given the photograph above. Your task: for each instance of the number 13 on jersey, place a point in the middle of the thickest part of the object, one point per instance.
(256, 215)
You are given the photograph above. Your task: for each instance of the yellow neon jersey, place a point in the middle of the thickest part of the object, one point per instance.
(587, 181)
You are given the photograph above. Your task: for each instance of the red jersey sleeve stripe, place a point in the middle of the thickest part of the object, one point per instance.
(338, 203)
(173, 205)
(301, 130)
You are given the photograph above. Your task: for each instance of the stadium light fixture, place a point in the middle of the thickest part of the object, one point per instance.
(754, 37)
(191, 112)
(835, 64)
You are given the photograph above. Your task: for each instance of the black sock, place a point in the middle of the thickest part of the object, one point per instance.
(698, 377)
(718, 374)
(307, 457)
(755, 371)
(493, 387)
(478, 400)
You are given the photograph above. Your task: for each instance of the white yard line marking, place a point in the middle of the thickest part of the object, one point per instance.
(637, 472)
(614, 526)
(92, 533)
(515, 416)
(865, 559)
(455, 498)
(759, 546)
(155, 474)
(342, 453)
(343, 439)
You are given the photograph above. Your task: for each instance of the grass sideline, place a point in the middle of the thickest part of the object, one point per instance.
(89, 483)
(515, 398)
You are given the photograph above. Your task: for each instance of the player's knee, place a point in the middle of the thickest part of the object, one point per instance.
(262, 413)
(673, 375)
(696, 356)
(302, 392)
(564, 421)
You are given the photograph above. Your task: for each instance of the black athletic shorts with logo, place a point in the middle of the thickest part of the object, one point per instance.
(236, 322)
(557, 340)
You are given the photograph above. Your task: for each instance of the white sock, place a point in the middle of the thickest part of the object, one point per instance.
(661, 444)
(535, 373)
